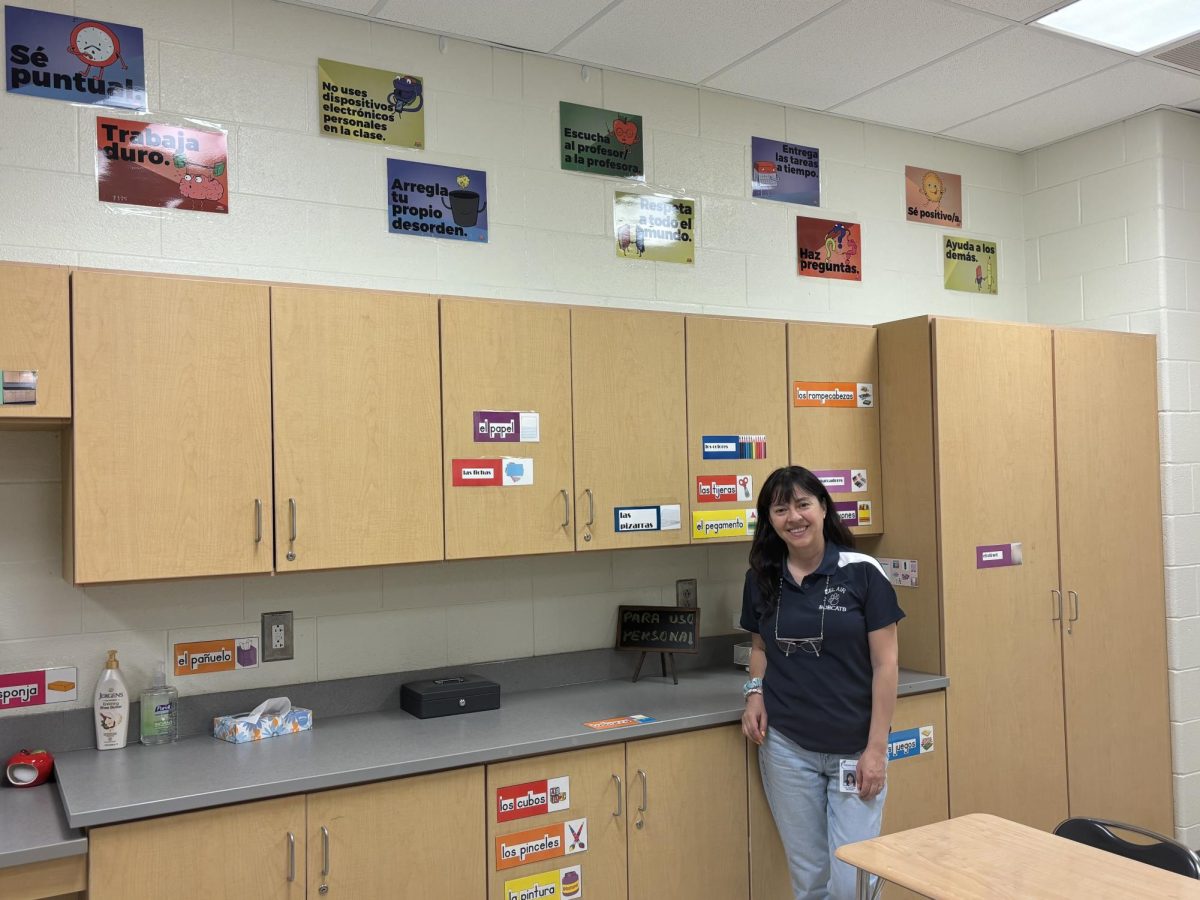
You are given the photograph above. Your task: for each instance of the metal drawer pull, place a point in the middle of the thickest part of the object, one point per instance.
(591, 507)
(620, 796)
(324, 851)
(1057, 617)
(566, 508)
(257, 521)
(291, 554)
(1075, 607)
(291, 857)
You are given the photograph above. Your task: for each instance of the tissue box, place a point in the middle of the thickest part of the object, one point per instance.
(240, 731)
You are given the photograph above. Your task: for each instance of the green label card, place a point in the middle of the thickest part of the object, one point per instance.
(601, 141)
(654, 226)
(373, 105)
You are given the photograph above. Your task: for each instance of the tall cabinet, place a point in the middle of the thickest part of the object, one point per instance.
(36, 337)
(1049, 540)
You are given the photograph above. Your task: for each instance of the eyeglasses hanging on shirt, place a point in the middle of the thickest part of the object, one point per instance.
(812, 645)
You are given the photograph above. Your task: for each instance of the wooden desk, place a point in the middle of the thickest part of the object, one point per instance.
(982, 857)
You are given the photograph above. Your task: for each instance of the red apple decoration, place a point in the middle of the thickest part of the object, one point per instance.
(27, 768)
(626, 131)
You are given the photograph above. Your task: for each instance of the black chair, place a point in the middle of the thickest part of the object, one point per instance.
(1164, 853)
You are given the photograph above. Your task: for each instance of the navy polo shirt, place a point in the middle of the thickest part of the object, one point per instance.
(823, 703)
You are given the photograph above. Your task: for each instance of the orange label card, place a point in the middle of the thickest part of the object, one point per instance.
(536, 844)
(832, 393)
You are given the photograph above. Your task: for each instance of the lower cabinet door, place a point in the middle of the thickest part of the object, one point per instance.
(918, 794)
(580, 845)
(686, 812)
(227, 853)
(411, 837)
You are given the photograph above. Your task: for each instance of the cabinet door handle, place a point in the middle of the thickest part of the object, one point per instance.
(1075, 609)
(566, 508)
(291, 856)
(324, 851)
(1057, 594)
(257, 521)
(645, 801)
(620, 796)
(292, 517)
(591, 507)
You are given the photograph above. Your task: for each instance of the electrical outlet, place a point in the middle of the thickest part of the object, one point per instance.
(277, 636)
(686, 593)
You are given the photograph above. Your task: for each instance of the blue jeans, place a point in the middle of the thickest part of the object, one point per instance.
(814, 817)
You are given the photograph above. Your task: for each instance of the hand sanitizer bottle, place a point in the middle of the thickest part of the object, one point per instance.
(111, 706)
(160, 704)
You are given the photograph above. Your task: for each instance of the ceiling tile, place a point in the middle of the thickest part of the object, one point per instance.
(359, 7)
(1093, 101)
(998, 71)
(853, 48)
(1017, 10)
(686, 40)
(531, 25)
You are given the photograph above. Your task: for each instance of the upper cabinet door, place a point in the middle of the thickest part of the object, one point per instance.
(172, 436)
(1106, 417)
(357, 444)
(35, 336)
(833, 375)
(506, 413)
(630, 429)
(737, 421)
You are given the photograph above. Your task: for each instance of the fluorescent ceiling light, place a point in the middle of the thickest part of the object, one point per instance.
(1134, 26)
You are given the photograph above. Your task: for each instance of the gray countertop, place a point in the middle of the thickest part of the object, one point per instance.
(33, 827)
(100, 788)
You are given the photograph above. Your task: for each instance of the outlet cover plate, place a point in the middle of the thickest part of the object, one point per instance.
(272, 623)
(686, 592)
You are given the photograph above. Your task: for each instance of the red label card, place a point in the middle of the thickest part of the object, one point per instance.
(477, 472)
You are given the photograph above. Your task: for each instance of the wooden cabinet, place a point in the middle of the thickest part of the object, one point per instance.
(630, 426)
(507, 357)
(411, 837)
(917, 795)
(838, 433)
(743, 402)
(55, 879)
(171, 451)
(224, 853)
(36, 335)
(356, 412)
(595, 793)
(1051, 645)
(686, 815)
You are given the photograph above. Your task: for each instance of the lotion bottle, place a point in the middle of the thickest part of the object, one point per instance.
(111, 703)
(160, 704)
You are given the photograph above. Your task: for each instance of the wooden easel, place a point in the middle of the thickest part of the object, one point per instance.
(664, 654)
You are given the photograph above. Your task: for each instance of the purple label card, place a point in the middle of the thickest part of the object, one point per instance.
(497, 427)
(836, 481)
(991, 556)
(847, 511)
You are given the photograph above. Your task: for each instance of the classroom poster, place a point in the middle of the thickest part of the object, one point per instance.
(160, 165)
(601, 141)
(970, 265)
(783, 171)
(437, 201)
(933, 197)
(378, 106)
(829, 249)
(654, 226)
(74, 58)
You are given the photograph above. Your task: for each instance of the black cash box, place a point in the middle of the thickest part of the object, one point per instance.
(449, 695)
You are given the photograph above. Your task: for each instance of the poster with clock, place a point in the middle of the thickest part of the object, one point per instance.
(74, 58)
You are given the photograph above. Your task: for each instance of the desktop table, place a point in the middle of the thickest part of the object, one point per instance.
(983, 857)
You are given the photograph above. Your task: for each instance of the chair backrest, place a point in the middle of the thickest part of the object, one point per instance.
(1164, 852)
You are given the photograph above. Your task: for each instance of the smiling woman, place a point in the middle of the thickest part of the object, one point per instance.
(825, 678)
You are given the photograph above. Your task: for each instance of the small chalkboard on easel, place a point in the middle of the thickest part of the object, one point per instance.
(666, 630)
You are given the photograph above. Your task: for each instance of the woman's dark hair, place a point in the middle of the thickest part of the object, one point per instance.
(767, 550)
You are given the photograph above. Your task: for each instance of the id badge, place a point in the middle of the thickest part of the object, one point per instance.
(848, 776)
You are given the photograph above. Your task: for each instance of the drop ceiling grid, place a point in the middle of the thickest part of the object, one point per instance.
(888, 38)
(1108, 96)
(1017, 10)
(1001, 70)
(539, 25)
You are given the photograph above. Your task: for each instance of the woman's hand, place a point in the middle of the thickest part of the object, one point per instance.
(872, 771)
(754, 719)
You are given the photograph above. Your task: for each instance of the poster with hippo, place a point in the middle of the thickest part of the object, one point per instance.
(425, 200)
(162, 165)
(74, 58)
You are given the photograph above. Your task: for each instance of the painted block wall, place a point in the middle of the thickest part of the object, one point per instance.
(1112, 221)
